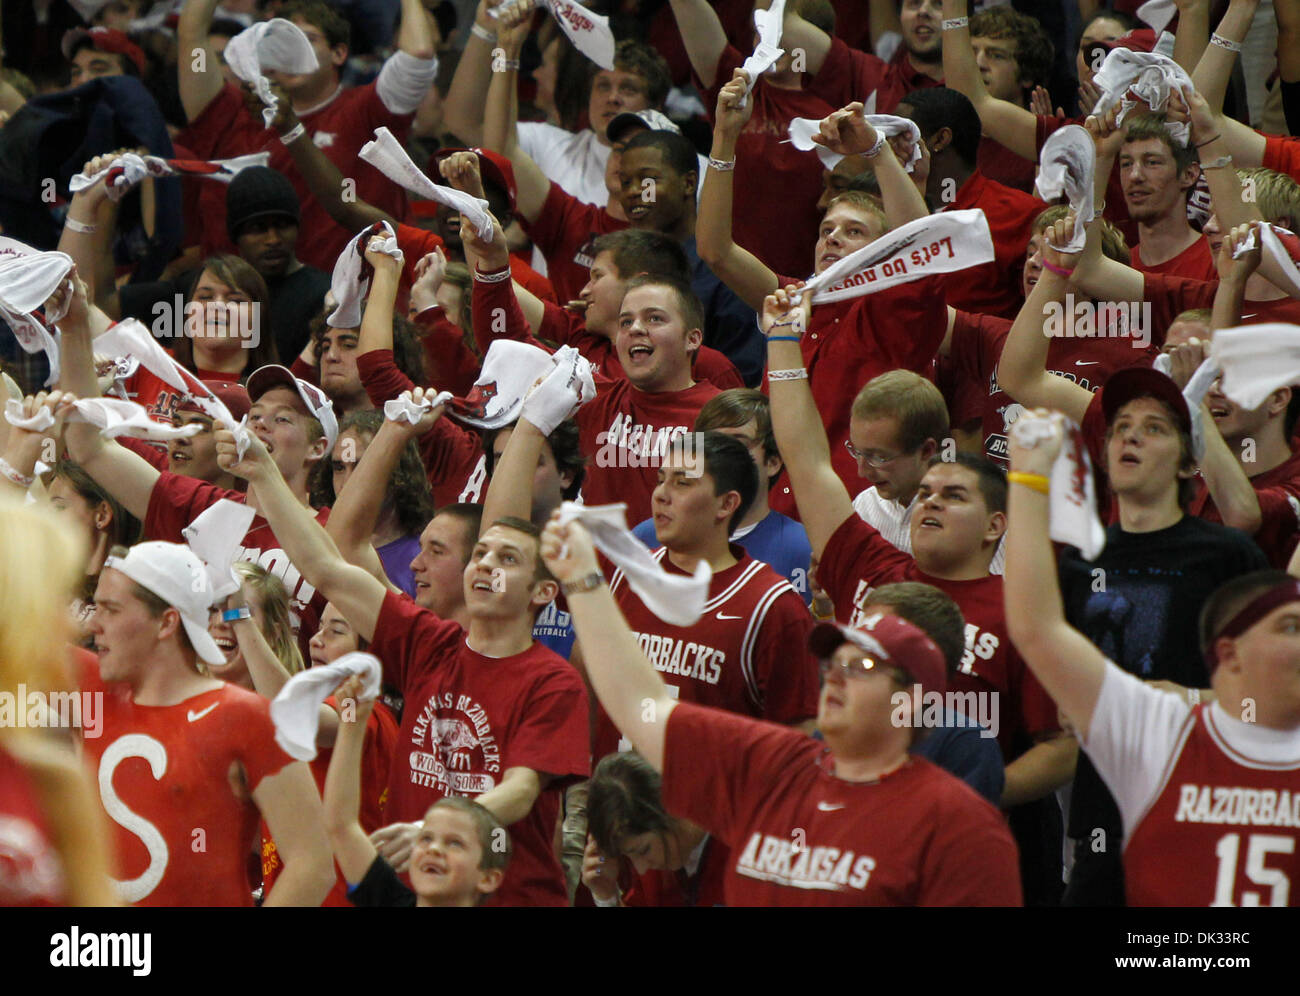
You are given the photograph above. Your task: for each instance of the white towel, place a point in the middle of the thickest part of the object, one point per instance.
(803, 129)
(296, 710)
(1067, 163)
(1148, 76)
(275, 44)
(1072, 496)
(1256, 360)
(350, 282)
(26, 282)
(112, 416)
(403, 408)
(217, 536)
(589, 32)
(1157, 13)
(675, 599)
(128, 169)
(768, 50)
(1282, 246)
(567, 388)
(937, 243)
(385, 153)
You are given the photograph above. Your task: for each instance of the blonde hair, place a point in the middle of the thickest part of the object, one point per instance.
(863, 201)
(1113, 245)
(277, 625)
(1276, 194)
(911, 399)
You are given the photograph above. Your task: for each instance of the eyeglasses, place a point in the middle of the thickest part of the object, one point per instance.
(861, 668)
(871, 459)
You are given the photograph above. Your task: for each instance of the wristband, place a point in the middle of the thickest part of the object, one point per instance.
(233, 615)
(1228, 43)
(784, 338)
(1193, 697)
(478, 31)
(1209, 140)
(80, 226)
(293, 134)
(1219, 163)
(874, 151)
(492, 278)
(8, 471)
(510, 65)
(798, 373)
(721, 165)
(589, 583)
(1060, 271)
(952, 23)
(1035, 482)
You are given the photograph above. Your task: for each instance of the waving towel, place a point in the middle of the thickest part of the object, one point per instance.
(296, 710)
(1072, 493)
(275, 44)
(1067, 163)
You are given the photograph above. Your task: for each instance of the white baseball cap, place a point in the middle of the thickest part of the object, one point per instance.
(647, 118)
(175, 574)
(272, 375)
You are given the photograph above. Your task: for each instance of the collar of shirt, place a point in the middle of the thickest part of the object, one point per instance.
(969, 193)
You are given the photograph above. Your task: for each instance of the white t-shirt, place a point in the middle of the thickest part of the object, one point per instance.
(574, 160)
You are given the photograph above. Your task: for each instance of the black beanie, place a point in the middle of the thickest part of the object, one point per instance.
(257, 192)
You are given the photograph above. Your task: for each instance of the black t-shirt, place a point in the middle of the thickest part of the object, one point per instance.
(381, 887)
(1139, 603)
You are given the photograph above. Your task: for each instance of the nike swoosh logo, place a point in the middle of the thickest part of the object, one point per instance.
(1086, 363)
(191, 715)
(722, 618)
(826, 807)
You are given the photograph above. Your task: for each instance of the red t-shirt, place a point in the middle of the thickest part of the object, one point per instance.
(160, 399)
(377, 753)
(848, 75)
(177, 501)
(977, 342)
(774, 213)
(340, 128)
(1000, 164)
(1196, 262)
(449, 363)
(563, 232)
(746, 654)
(468, 719)
(994, 288)
(850, 342)
(706, 887)
(1278, 491)
(182, 837)
(31, 870)
(1168, 296)
(416, 243)
(625, 432)
(799, 836)
(1282, 154)
(857, 558)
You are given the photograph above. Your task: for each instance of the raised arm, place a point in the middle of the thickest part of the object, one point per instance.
(1100, 277)
(629, 688)
(1193, 33)
(702, 34)
(734, 265)
(510, 491)
(1003, 121)
(88, 235)
(1022, 368)
(342, 798)
(848, 132)
(414, 31)
(501, 115)
(355, 593)
(1064, 661)
(198, 67)
(824, 502)
(1232, 205)
(463, 105)
(796, 34)
(1215, 64)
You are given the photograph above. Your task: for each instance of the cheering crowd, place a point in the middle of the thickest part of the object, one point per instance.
(650, 454)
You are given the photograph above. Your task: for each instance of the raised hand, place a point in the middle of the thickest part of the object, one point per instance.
(731, 117)
(781, 316)
(847, 131)
(567, 550)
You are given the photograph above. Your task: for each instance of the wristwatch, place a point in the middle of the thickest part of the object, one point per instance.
(589, 583)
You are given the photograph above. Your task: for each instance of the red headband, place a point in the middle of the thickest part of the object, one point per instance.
(1252, 613)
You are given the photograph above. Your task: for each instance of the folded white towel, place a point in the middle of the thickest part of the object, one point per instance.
(128, 169)
(1072, 491)
(1067, 163)
(803, 129)
(27, 279)
(296, 710)
(350, 282)
(1256, 360)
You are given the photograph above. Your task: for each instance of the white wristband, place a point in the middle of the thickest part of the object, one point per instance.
(293, 134)
(797, 373)
(1228, 43)
(478, 31)
(79, 226)
(9, 473)
(952, 23)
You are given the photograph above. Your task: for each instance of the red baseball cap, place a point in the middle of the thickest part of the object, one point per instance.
(233, 396)
(104, 40)
(1143, 382)
(493, 167)
(889, 639)
(321, 407)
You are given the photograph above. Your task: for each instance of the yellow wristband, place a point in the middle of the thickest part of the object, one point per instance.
(1037, 482)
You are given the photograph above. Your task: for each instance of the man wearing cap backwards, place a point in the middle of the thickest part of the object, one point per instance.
(96, 52)
(1208, 793)
(196, 456)
(490, 714)
(856, 821)
(187, 763)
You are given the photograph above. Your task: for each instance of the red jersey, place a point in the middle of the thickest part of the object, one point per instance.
(563, 232)
(177, 501)
(380, 745)
(31, 871)
(850, 342)
(1278, 491)
(745, 654)
(994, 288)
(340, 127)
(1168, 296)
(799, 836)
(416, 243)
(1210, 804)
(857, 559)
(627, 432)
(849, 74)
(182, 835)
(977, 342)
(448, 360)
(1282, 154)
(1196, 262)
(1000, 164)
(776, 186)
(468, 719)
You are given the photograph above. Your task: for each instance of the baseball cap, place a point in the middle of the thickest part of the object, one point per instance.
(493, 167)
(104, 40)
(273, 375)
(233, 396)
(175, 574)
(1143, 382)
(259, 192)
(888, 639)
(648, 118)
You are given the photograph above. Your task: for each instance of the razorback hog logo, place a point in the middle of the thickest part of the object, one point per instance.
(476, 402)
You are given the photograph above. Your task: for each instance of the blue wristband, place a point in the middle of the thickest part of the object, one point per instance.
(784, 338)
(231, 615)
